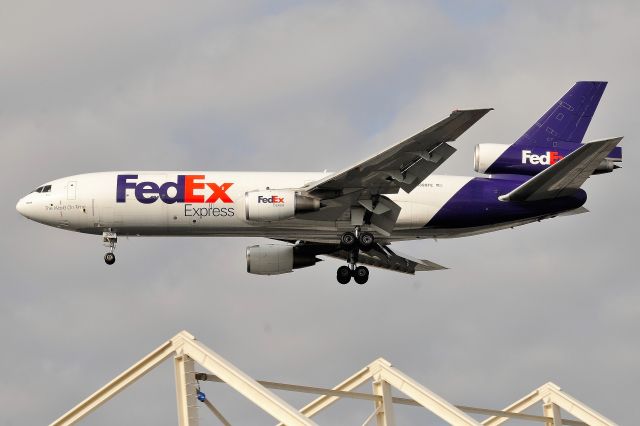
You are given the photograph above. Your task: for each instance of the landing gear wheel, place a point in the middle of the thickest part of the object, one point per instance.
(361, 274)
(344, 275)
(110, 258)
(366, 240)
(348, 239)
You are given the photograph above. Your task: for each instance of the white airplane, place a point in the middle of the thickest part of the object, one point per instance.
(356, 213)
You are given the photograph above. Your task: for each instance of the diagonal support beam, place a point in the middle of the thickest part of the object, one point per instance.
(241, 382)
(216, 413)
(550, 393)
(322, 402)
(556, 396)
(519, 406)
(381, 370)
(425, 397)
(181, 345)
(118, 384)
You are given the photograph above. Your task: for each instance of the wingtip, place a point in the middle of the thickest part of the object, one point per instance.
(616, 140)
(427, 265)
(479, 110)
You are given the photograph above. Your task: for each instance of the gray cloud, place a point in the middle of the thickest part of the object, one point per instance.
(88, 87)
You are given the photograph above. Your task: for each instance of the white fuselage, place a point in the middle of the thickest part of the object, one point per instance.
(213, 205)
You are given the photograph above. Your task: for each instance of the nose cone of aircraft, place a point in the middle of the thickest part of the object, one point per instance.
(23, 208)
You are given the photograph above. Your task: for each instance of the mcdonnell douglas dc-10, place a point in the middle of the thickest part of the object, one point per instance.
(355, 214)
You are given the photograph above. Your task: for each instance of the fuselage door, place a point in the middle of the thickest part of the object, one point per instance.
(71, 190)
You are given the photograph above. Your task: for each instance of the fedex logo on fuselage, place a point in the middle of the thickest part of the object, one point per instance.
(551, 157)
(186, 189)
(274, 199)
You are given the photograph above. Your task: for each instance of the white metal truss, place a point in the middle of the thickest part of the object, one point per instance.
(188, 352)
(554, 399)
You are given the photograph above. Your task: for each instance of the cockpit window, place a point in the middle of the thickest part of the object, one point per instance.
(43, 188)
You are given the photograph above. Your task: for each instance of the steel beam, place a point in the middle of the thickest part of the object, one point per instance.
(428, 399)
(385, 415)
(552, 393)
(216, 413)
(118, 384)
(552, 411)
(187, 400)
(240, 381)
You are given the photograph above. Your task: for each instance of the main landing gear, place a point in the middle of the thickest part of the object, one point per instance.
(110, 239)
(354, 242)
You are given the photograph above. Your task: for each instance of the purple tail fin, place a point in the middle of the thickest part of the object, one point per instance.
(568, 119)
(555, 135)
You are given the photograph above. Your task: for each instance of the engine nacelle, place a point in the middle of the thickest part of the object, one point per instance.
(605, 166)
(274, 259)
(486, 154)
(273, 205)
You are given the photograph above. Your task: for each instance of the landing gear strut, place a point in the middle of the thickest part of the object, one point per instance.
(354, 242)
(109, 240)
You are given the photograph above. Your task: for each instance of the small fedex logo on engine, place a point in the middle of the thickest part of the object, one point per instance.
(547, 159)
(186, 189)
(274, 199)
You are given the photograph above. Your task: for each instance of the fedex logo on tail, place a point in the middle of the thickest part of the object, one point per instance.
(551, 157)
(186, 189)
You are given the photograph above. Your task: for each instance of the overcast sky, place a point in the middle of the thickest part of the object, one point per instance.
(306, 86)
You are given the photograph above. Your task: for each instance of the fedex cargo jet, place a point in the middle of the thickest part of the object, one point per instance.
(355, 214)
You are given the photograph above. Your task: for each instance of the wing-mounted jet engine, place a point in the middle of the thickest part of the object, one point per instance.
(275, 259)
(273, 205)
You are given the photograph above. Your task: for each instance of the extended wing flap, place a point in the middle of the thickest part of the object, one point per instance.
(566, 175)
(383, 257)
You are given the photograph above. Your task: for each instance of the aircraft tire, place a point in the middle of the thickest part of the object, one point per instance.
(109, 258)
(366, 240)
(348, 240)
(361, 274)
(344, 275)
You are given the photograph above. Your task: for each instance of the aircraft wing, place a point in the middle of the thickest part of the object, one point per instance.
(379, 256)
(404, 165)
(566, 175)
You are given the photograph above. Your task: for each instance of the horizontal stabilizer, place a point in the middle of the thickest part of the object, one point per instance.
(566, 175)
(579, 210)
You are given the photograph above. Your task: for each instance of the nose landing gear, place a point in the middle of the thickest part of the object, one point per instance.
(110, 239)
(354, 242)
(109, 258)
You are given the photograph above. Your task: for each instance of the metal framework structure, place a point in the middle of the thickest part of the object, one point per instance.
(187, 351)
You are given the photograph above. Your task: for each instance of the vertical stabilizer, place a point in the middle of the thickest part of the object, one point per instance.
(567, 120)
(556, 134)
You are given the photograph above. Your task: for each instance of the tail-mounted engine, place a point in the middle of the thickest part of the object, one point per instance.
(274, 205)
(486, 154)
(274, 259)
